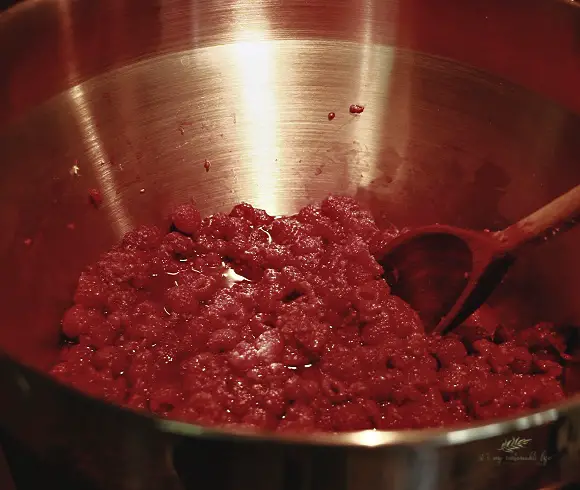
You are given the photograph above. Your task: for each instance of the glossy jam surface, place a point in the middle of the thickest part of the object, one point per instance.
(287, 324)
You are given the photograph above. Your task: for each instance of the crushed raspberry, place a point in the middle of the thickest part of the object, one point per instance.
(223, 340)
(286, 324)
(186, 219)
(450, 350)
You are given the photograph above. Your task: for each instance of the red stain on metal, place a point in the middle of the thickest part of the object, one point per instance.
(356, 109)
(183, 125)
(95, 197)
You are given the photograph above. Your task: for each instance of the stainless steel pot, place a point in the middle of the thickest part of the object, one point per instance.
(133, 96)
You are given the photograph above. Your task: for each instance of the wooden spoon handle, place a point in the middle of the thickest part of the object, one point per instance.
(560, 215)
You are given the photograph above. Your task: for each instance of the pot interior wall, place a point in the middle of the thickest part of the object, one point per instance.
(437, 142)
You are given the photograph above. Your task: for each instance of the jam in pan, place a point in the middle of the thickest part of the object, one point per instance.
(286, 324)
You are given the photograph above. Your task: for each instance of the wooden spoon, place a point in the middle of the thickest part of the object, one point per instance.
(446, 273)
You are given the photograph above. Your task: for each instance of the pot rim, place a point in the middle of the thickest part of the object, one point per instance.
(437, 437)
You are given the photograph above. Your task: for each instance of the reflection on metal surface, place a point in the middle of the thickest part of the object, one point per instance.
(96, 153)
(98, 157)
(374, 79)
(255, 62)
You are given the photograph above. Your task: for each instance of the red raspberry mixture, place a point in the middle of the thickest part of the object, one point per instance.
(286, 324)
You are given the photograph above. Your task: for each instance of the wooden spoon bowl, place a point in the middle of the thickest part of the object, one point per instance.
(445, 273)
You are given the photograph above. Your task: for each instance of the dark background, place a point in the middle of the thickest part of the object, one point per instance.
(7, 3)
